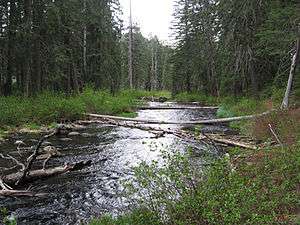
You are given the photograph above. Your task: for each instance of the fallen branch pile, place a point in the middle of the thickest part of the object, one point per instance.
(207, 139)
(26, 174)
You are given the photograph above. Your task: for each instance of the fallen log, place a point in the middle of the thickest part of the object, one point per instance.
(176, 108)
(33, 157)
(204, 122)
(12, 179)
(15, 193)
(158, 132)
(232, 143)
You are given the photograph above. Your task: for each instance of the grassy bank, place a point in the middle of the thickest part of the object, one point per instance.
(48, 108)
(251, 187)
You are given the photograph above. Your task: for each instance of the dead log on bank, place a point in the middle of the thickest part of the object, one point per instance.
(234, 143)
(199, 122)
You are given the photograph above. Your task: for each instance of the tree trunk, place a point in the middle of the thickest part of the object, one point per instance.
(285, 103)
(27, 57)
(37, 18)
(84, 40)
(11, 49)
(130, 56)
(204, 122)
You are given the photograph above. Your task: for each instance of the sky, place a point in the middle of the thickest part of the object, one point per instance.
(154, 17)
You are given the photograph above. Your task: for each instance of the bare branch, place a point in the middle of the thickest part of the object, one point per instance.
(9, 157)
(35, 154)
(275, 135)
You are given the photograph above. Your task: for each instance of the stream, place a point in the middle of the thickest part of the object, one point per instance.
(80, 196)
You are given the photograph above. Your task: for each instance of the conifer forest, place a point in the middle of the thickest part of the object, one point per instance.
(105, 121)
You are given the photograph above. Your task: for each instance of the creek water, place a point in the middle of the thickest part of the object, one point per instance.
(80, 196)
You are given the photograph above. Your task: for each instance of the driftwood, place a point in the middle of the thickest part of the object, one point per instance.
(232, 142)
(212, 121)
(7, 191)
(26, 174)
(15, 193)
(158, 132)
(40, 174)
(177, 108)
(34, 156)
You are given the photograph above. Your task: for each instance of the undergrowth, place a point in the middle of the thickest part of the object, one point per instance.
(254, 187)
(262, 187)
(49, 108)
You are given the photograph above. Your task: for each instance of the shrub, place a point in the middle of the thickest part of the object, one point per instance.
(262, 189)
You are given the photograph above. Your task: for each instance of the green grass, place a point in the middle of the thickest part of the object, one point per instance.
(48, 108)
(197, 97)
(128, 114)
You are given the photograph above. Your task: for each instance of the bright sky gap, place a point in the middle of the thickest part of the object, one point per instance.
(154, 17)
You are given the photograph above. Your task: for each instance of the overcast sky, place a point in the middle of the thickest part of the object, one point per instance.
(153, 16)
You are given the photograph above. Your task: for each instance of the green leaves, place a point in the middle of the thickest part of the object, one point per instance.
(262, 189)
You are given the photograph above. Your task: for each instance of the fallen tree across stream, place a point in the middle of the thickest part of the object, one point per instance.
(159, 132)
(199, 122)
(176, 108)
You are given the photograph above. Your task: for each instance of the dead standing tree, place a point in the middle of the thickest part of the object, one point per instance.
(295, 60)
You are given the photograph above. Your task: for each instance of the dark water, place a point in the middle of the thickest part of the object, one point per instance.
(94, 191)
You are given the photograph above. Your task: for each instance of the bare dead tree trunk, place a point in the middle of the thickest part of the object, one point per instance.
(285, 103)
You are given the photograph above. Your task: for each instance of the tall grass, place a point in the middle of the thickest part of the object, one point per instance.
(53, 107)
(197, 97)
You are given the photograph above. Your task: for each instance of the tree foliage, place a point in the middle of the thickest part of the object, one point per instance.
(42, 42)
(231, 46)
